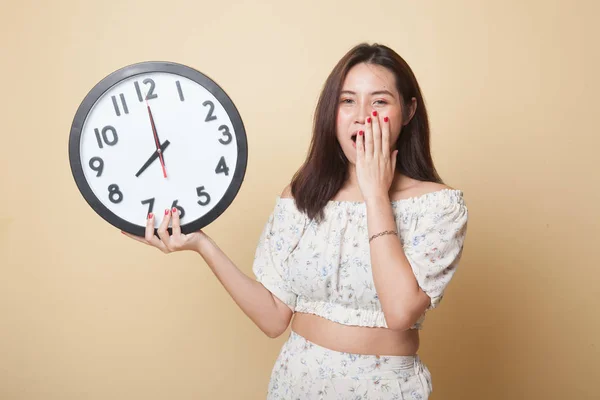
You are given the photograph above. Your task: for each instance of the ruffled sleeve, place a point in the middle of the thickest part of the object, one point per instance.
(434, 247)
(279, 238)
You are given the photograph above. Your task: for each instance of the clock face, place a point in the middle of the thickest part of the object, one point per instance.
(153, 136)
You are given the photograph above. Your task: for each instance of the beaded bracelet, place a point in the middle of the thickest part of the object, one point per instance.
(381, 234)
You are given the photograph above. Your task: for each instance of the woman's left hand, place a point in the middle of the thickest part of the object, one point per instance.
(375, 166)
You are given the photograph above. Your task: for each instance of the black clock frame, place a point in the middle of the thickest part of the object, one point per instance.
(143, 68)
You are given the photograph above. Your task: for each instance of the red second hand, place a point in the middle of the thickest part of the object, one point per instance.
(160, 157)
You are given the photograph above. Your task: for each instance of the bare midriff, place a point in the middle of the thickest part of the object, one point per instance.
(355, 339)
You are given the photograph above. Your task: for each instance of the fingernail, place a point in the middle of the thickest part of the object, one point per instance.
(369, 119)
(174, 210)
(167, 211)
(374, 113)
(361, 133)
(150, 215)
(386, 119)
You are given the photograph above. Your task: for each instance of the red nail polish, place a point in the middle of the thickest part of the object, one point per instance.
(150, 215)
(374, 113)
(167, 211)
(174, 210)
(369, 119)
(386, 119)
(361, 133)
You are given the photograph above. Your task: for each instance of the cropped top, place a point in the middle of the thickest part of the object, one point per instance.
(325, 268)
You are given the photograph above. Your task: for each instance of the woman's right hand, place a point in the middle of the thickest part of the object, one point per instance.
(177, 241)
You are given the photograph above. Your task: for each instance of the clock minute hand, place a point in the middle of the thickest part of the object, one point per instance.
(156, 141)
(153, 157)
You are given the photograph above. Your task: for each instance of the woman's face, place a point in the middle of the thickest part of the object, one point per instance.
(367, 88)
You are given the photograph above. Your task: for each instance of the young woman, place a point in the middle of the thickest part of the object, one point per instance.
(360, 245)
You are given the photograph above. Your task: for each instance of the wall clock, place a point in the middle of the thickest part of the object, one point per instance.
(157, 135)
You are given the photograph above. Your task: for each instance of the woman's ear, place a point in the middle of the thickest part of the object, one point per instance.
(410, 111)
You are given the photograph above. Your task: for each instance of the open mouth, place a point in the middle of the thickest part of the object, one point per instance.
(354, 138)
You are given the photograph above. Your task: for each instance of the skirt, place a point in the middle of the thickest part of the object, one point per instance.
(305, 370)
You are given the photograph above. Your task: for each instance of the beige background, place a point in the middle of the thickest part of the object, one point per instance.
(512, 89)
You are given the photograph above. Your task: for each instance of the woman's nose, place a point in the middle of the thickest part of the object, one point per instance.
(363, 110)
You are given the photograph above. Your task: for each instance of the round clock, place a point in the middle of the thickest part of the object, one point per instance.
(153, 136)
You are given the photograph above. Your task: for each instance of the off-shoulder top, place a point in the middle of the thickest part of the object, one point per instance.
(325, 268)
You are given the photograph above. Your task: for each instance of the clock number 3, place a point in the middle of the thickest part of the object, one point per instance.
(225, 132)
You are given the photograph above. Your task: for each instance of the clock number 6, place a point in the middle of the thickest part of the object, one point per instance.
(181, 210)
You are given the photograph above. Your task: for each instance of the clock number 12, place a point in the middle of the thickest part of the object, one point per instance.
(150, 94)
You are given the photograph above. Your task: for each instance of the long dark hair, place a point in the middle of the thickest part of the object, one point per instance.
(326, 167)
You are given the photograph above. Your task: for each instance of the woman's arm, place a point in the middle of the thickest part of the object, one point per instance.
(269, 313)
(402, 301)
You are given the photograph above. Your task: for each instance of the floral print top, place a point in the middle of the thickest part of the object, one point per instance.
(325, 268)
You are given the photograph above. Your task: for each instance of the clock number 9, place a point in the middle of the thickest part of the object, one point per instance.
(115, 194)
(203, 194)
(104, 138)
(225, 131)
(98, 168)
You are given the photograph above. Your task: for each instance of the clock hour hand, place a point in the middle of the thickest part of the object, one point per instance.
(153, 157)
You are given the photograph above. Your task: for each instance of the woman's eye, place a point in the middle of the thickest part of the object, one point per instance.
(380, 102)
(346, 101)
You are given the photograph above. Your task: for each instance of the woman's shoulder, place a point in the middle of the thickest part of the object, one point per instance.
(286, 199)
(285, 207)
(286, 192)
(427, 192)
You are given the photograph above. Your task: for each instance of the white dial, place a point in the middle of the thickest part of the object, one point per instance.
(157, 140)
